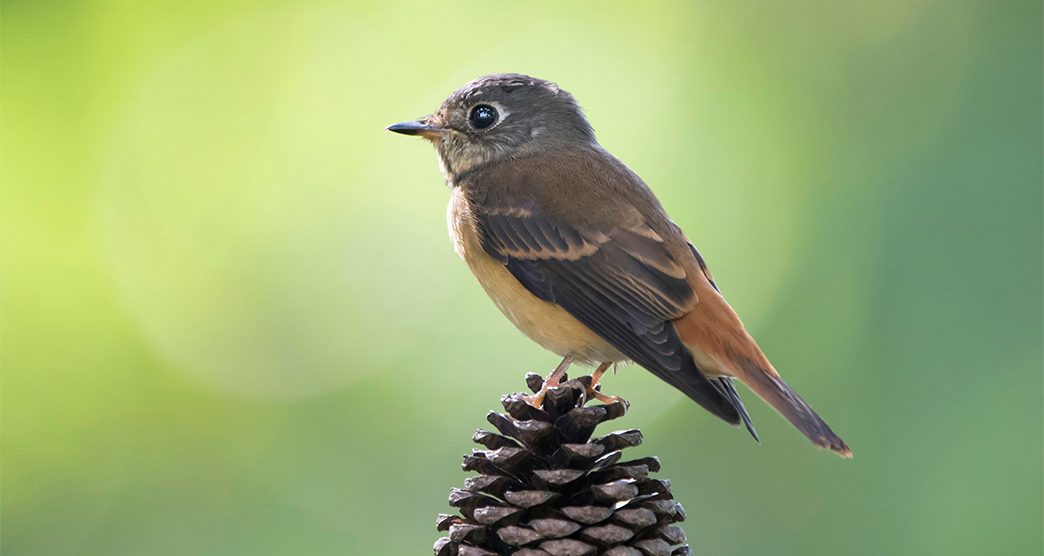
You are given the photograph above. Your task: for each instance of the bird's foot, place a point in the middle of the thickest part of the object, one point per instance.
(537, 399)
(593, 389)
(607, 400)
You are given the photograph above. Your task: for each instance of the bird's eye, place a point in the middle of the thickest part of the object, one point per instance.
(483, 116)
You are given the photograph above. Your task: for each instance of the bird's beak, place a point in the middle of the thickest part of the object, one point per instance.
(417, 127)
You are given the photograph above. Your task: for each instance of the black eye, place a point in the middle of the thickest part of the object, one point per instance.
(483, 116)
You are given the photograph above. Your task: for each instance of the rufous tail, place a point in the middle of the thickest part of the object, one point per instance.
(722, 346)
(771, 388)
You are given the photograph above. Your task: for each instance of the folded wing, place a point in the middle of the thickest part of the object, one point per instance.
(618, 279)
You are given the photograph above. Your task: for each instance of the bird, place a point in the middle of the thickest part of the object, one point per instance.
(580, 255)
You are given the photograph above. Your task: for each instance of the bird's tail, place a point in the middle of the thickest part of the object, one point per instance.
(720, 344)
(767, 384)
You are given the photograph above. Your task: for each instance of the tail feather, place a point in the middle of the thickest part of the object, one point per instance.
(728, 389)
(771, 388)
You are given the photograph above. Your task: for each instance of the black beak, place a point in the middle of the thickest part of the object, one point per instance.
(416, 127)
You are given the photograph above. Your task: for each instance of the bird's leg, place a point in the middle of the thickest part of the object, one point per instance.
(593, 393)
(536, 400)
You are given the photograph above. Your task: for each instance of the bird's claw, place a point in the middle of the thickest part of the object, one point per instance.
(607, 400)
(537, 399)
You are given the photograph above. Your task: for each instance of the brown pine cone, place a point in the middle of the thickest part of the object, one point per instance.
(546, 488)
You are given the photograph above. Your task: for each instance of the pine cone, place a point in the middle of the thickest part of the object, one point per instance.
(545, 487)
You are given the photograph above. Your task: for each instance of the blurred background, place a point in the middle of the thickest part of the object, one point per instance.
(233, 323)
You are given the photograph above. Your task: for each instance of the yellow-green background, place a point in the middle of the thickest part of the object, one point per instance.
(233, 324)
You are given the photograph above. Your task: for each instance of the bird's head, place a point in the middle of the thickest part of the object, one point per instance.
(500, 116)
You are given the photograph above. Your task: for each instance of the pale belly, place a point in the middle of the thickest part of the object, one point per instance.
(545, 323)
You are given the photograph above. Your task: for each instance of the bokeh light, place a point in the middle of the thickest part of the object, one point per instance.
(232, 322)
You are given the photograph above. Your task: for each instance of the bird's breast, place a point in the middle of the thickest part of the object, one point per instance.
(545, 323)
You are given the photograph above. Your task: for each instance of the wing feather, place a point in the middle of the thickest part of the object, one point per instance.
(619, 279)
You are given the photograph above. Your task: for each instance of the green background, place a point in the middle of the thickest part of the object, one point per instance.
(233, 324)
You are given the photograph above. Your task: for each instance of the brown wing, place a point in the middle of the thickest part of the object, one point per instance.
(618, 279)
